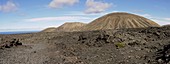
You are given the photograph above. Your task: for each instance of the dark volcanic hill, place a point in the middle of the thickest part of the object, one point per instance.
(119, 21)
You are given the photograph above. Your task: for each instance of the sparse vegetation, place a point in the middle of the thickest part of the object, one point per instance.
(120, 45)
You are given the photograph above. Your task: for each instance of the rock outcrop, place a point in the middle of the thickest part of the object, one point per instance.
(10, 43)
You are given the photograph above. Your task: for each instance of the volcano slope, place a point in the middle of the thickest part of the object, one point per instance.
(123, 46)
(119, 20)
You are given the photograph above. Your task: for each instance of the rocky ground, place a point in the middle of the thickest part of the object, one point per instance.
(123, 46)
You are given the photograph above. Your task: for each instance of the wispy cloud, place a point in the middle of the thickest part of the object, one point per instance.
(161, 21)
(63, 18)
(8, 7)
(61, 3)
(20, 29)
(145, 15)
(96, 6)
(167, 19)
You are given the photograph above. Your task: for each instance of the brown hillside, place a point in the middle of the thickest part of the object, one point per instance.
(119, 21)
(51, 29)
(69, 27)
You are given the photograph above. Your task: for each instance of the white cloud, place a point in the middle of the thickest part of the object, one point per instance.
(167, 19)
(63, 18)
(161, 22)
(146, 15)
(96, 6)
(61, 3)
(8, 7)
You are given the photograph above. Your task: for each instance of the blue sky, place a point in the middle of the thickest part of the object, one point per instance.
(27, 15)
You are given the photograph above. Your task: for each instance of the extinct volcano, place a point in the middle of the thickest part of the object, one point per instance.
(119, 21)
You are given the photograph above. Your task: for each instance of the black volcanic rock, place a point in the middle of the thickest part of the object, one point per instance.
(123, 46)
(11, 43)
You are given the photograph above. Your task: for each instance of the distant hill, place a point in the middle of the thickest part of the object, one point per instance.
(119, 21)
(70, 26)
(51, 29)
(66, 27)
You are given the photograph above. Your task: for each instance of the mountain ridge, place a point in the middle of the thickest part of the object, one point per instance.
(118, 20)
